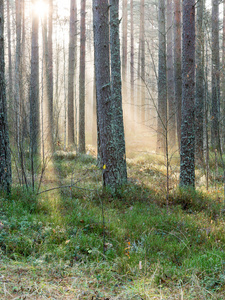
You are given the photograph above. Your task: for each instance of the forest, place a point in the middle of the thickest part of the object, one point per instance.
(112, 141)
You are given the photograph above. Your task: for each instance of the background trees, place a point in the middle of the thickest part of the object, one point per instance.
(44, 86)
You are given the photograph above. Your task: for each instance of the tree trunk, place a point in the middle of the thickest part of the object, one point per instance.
(34, 87)
(215, 139)
(116, 96)
(50, 74)
(71, 72)
(124, 28)
(111, 175)
(10, 85)
(17, 73)
(82, 80)
(142, 59)
(177, 65)
(170, 76)
(162, 89)
(5, 161)
(132, 62)
(199, 98)
(187, 150)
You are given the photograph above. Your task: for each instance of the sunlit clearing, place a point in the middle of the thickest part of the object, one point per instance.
(40, 8)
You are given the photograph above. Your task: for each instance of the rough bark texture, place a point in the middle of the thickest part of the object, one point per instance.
(223, 77)
(199, 98)
(187, 150)
(124, 52)
(132, 60)
(50, 73)
(71, 71)
(177, 65)
(111, 174)
(10, 86)
(215, 139)
(142, 59)
(34, 87)
(162, 84)
(170, 76)
(82, 80)
(116, 96)
(17, 72)
(5, 162)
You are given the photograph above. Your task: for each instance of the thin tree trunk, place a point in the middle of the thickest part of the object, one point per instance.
(17, 73)
(162, 89)
(170, 76)
(34, 93)
(177, 66)
(215, 139)
(142, 59)
(71, 72)
(199, 98)
(132, 61)
(9, 54)
(5, 161)
(124, 39)
(82, 80)
(187, 150)
(223, 77)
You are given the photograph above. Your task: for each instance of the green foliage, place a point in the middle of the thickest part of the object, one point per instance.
(66, 227)
(194, 201)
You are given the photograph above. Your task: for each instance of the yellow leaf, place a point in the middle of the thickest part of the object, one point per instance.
(66, 242)
(104, 167)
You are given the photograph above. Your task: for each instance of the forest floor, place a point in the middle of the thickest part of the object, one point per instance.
(78, 242)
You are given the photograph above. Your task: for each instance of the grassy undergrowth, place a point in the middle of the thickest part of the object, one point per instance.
(56, 246)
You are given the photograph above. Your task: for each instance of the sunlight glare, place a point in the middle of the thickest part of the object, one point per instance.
(40, 8)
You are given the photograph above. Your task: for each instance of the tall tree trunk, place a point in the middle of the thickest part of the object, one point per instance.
(170, 76)
(111, 175)
(17, 73)
(50, 73)
(132, 61)
(162, 90)
(142, 59)
(223, 77)
(124, 52)
(71, 72)
(82, 80)
(9, 54)
(116, 96)
(34, 87)
(177, 65)
(5, 161)
(199, 98)
(215, 139)
(187, 150)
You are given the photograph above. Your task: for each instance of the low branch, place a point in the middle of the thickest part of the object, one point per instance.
(63, 187)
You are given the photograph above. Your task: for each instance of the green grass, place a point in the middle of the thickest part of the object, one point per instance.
(56, 238)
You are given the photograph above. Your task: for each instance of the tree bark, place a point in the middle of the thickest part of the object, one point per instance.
(5, 160)
(82, 80)
(177, 66)
(187, 150)
(116, 96)
(71, 71)
(111, 175)
(124, 28)
(170, 76)
(199, 97)
(215, 138)
(34, 87)
(162, 84)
